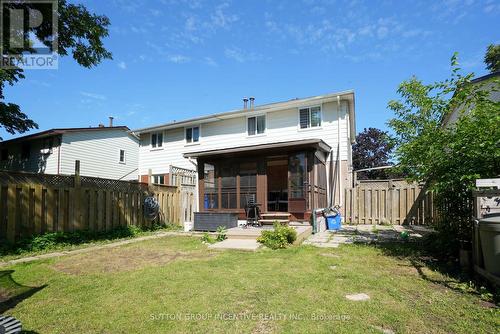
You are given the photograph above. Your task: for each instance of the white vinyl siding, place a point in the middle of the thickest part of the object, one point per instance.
(97, 152)
(42, 158)
(281, 126)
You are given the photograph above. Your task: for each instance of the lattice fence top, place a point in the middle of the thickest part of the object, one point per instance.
(384, 184)
(182, 175)
(49, 180)
(68, 181)
(108, 184)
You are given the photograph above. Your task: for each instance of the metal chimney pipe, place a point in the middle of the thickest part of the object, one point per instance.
(252, 102)
(245, 103)
(111, 121)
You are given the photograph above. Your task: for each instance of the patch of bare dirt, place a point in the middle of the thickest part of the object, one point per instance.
(4, 295)
(122, 259)
(263, 327)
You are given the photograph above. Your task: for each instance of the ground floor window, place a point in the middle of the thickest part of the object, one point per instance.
(158, 179)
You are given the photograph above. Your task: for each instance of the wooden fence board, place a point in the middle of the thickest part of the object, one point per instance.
(396, 203)
(35, 206)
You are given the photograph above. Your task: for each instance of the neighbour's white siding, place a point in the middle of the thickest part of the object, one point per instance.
(36, 163)
(98, 152)
(280, 126)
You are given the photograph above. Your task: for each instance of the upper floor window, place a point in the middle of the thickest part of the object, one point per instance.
(157, 139)
(193, 134)
(256, 125)
(310, 117)
(122, 156)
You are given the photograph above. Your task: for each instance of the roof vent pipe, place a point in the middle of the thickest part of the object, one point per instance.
(111, 121)
(252, 102)
(245, 103)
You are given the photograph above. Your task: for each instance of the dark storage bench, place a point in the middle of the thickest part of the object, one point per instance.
(209, 221)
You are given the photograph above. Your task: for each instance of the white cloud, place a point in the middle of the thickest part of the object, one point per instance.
(209, 61)
(241, 56)
(220, 18)
(382, 32)
(122, 65)
(94, 96)
(178, 59)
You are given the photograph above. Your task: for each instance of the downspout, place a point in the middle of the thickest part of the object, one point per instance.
(59, 156)
(338, 152)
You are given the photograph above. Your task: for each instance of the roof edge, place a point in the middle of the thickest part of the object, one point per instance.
(240, 112)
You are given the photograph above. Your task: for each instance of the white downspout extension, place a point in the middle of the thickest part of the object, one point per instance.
(339, 166)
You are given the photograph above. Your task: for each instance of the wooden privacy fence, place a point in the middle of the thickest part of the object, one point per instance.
(389, 201)
(38, 203)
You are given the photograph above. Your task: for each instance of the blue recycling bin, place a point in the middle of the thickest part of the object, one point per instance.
(334, 222)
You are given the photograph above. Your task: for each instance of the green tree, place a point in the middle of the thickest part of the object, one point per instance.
(372, 149)
(79, 33)
(448, 158)
(492, 58)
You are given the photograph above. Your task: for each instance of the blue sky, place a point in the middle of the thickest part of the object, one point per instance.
(175, 59)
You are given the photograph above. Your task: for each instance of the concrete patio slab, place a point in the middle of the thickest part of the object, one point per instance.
(237, 244)
(358, 297)
(365, 234)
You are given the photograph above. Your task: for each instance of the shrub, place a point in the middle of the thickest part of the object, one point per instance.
(280, 237)
(221, 233)
(207, 238)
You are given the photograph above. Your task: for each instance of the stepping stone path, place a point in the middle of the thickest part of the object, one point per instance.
(384, 330)
(364, 234)
(358, 297)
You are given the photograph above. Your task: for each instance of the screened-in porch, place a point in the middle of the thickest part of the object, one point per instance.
(282, 177)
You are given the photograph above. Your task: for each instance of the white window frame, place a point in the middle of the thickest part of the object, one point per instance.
(124, 162)
(162, 140)
(157, 176)
(199, 135)
(256, 134)
(310, 127)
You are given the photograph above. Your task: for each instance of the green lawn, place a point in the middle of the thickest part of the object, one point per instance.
(175, 284)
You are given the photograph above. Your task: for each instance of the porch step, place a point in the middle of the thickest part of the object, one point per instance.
(243, 233)
(273, 217)
(272, 221)
(276, 214)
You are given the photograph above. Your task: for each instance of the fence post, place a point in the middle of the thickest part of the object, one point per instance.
(150, 181)
(77, 219)
(11, 209)
(78, 180)
(390, 197)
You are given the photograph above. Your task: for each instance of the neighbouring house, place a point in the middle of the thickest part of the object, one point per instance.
(106, 152)
(486, 82)
(282, 155)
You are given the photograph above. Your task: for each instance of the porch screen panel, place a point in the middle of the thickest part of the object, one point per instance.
(298, 177)
(228, 187)
(211, 188)
(248, 183)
